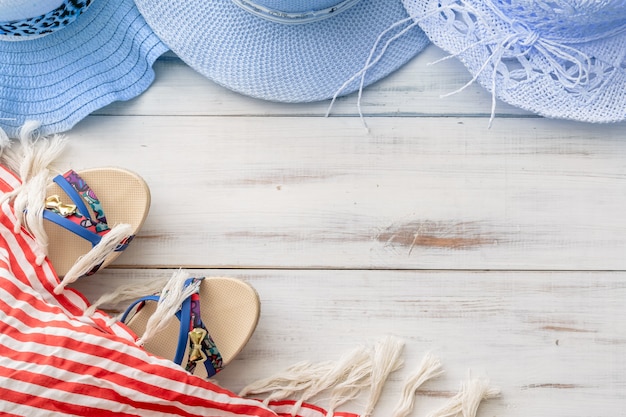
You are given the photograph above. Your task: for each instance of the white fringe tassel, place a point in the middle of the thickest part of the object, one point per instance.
(341, 369)
(385, 360)
(34, 153)
(466, 402)
(96, 255)
(28, 206)
(5, 142)
(172, 296)
(127, 292)
(429, 368)
(296, 378)
(354, 382)
(346, 377)
(31, 160)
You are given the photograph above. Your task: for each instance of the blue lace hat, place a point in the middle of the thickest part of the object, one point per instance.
(558, 58)
(62, 59)
(287, 50)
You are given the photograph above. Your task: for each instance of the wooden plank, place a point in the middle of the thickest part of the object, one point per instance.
(552, 342)
(431, 193)
(413, 90)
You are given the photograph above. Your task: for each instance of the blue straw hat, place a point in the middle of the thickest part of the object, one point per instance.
(558, 58)
(62, 59)
(286, 50)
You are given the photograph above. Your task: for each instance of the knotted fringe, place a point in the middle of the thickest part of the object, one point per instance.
(5, 141)
(469, 397)
(96, 255)
(31, 160)
(127, 292)
(341, 369)
(29, 206)
(356, 380)
(294, 379)
(385, 360)
(346, 377)
(171, 298)
(34, 153)
(429, 368)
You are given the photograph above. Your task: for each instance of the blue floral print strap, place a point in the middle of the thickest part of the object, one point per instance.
(202, 348)
(80, 188)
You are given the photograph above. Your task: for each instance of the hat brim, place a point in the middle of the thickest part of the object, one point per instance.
(475, 34)
(104, 56)
(283, 62)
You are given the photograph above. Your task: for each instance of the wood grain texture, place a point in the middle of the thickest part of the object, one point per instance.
(351, 235)
(426, 193)
(552, 342)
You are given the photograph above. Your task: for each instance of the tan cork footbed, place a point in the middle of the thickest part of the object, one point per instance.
(230, 311)
(125, 198)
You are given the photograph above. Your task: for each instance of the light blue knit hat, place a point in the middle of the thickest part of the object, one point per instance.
(286, 50)
(62, 59)
(558, 58)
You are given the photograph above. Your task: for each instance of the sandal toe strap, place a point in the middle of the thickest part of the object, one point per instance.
(193, 332)
(202, 348)
(77, 218)
(80, 193)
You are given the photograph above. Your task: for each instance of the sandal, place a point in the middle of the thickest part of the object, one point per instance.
(216, 318)
(99, 212)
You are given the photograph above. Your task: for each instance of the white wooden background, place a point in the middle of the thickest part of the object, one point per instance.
(502, 250)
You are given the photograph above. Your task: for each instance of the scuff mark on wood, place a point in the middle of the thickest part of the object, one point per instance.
(432, 234)
(279, 177)
(552, 386)
(609, 342)
(567, 329)
(262, 235)
(435, 394)
(143, 236)
(288, 237)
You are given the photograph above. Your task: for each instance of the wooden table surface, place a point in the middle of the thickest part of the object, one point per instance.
(501, 250)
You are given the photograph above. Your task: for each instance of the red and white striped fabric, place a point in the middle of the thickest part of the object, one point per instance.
(54, 360)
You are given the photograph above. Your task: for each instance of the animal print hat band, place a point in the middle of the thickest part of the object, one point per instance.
(63, 59)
